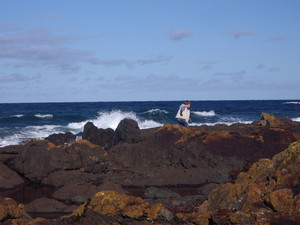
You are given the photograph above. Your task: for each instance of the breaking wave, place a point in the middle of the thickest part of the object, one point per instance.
(111, 119)
(292, 102)
(43, 115)
(205, 113)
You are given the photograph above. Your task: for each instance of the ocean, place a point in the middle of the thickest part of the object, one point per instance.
(22, 121)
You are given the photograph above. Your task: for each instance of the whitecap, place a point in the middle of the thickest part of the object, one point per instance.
(204, 113)
(18, 115)
(292, 102)
(43, 115)
(111, 119)
(25, 133)
(155, 111)
(296, 119)
(220, 122)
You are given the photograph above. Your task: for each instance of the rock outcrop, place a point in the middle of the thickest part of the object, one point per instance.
(269, 193)
(61, 138)
(43, 162)
(245, 173)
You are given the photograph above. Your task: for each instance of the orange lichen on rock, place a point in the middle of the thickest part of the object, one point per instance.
(11, 209)
(77, 144)
(281, 200)
(111, 203)
(181, 134)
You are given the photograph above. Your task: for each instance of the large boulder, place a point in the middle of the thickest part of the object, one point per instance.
(269, 191)
(39, 158)
(271, 120)
(61, 138)
(103, 137)
(46, 205)
(10, 209)
(9, 178)
(128, 131)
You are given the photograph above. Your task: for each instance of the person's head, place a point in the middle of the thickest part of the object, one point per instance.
(187, 103)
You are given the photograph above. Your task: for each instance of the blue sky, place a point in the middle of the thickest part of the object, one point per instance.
(137, 50)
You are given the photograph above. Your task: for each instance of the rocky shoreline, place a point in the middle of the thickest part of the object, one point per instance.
(238, 174)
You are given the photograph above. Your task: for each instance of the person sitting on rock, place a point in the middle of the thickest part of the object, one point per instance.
(183, 114)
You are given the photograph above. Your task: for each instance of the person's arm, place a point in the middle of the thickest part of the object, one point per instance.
(182, 108)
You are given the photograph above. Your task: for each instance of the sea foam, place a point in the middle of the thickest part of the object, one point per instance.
(153, 111)
(292, 102)
(296, 119)
(205, 113)
(43, 115)
(111, 119)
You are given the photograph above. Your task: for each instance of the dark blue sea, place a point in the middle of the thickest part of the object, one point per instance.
(22, 121)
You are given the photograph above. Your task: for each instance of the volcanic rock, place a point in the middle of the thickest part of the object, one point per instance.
(103, 137)
(128, 131)
(10, 210)
(45, 205)
(40, 159)
(61, 138)
(269, 191)
(9, 178)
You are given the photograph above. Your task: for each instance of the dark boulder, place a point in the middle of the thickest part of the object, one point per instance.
(61, 138)
(9, 178)
(128, 131)
(40, 160)
(103, 137)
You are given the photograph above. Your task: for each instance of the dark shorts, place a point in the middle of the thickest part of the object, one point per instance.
(183, 122)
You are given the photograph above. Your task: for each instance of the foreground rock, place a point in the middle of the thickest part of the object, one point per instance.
(269, 193)
(169, 156)
(9, 178)
(43, 162)
(127, 131)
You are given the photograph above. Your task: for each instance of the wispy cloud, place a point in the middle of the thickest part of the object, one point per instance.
(179, 34)
(260, 66)
(277, 38)
(156, 59)
(237, 33)
(9, 27)
(40, 47)
(274, 69)
(48, 16)
(17, 77)
(234, 76)
(206, 65)
(269, 69)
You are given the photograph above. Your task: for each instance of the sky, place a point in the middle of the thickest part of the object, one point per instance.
(149, 50)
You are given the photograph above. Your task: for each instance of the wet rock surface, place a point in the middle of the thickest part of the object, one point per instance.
(240, 174)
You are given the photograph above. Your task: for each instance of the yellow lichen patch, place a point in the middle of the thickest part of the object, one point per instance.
(216, 136)
(12, 211)
(133, 211)
(281, 200)
(112, 203)
(184, 133)
(153, 211)
(84, 142)
(31, 140)
(94, 158)
(51, 146)
(78, 211)
(190, 134)
(195, 217)
(293, 152)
